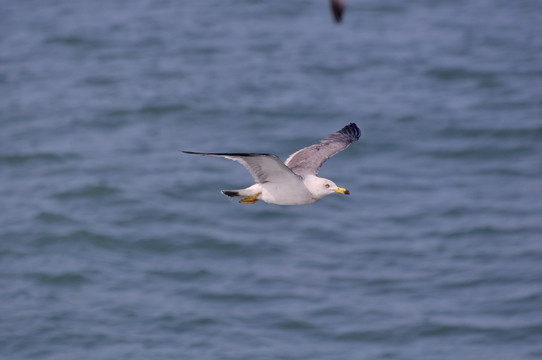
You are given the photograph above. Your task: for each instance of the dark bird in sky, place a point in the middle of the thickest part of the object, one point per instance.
(337, 8)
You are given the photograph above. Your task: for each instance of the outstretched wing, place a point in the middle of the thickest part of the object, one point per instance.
(263, 167)
(309, 160)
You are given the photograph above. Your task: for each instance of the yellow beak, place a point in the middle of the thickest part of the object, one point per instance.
(341, 190)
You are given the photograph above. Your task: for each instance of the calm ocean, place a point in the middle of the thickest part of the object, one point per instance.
(115, 245)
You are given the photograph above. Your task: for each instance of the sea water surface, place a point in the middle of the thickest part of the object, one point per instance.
(115, 245)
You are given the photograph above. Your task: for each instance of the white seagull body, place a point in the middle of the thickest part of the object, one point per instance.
(293, 182)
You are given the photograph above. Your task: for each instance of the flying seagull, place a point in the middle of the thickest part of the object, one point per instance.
(337, 8)
(293, 182)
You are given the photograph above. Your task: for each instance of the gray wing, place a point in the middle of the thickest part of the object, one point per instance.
(263, 167)
(309, 160)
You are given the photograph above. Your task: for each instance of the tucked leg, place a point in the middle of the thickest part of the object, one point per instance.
(250, 199)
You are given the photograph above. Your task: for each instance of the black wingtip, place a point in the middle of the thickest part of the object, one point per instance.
(226, 154)
(352, 130)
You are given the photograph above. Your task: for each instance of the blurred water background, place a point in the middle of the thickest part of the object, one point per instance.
(114, 245)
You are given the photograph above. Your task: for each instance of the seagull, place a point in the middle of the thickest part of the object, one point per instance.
(337, 8)
(293, 182)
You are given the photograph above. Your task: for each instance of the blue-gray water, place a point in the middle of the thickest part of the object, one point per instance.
(114, 245)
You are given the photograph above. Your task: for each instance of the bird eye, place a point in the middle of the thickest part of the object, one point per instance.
(327, 186)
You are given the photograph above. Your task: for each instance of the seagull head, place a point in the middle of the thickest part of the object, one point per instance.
(322, 187)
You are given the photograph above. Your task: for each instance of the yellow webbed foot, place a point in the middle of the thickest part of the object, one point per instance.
(250, 199)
